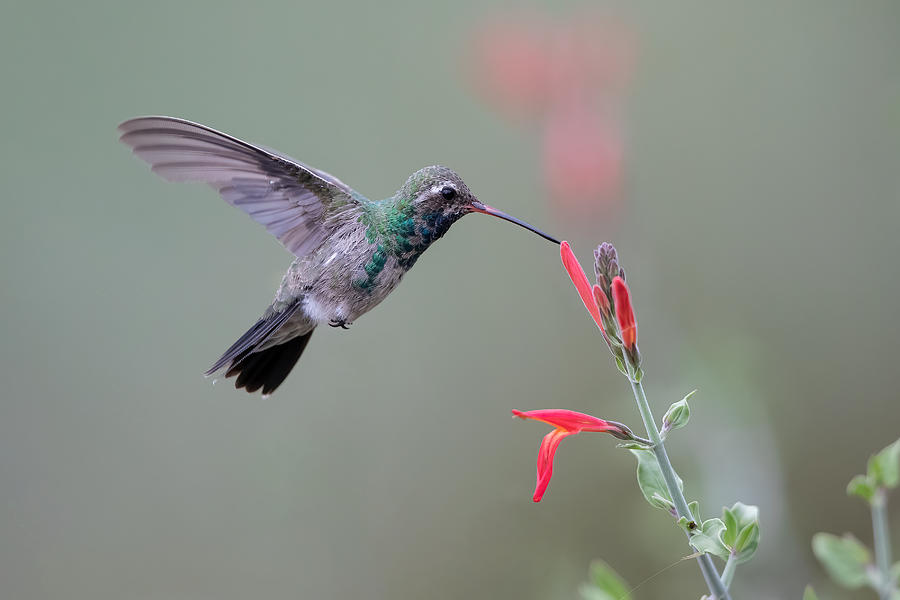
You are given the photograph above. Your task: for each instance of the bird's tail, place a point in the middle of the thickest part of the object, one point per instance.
(259, 365)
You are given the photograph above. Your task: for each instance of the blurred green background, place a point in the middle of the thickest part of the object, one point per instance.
(759, 228)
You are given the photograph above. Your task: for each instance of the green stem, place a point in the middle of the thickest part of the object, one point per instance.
(728, 571)
(710, 574)
(882, 543)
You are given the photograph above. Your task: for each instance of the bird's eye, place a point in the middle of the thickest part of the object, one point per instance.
(448, 193)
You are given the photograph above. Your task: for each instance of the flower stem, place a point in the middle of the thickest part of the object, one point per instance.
(882, 543)
(728, 571)
(710, 574)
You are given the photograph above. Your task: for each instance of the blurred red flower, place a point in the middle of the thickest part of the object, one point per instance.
(565, 423)
(511, 65)
(582, 156)
(568, 77)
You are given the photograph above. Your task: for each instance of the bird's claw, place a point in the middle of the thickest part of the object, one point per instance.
(339, 323)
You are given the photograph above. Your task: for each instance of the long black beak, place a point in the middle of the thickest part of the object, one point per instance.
(490, 210)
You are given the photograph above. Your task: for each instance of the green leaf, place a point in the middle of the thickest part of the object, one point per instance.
(678, 414)
(884, 467)
(638, 374)
(651, 481)
(620, 364)
(729, 536)
(746, 544)
(604, 584)
(738, 520)
(845, 558)
(861, 486)
(589, 592)
(745, 513)
(895, 573)
(689, 527)
(694, 507)
(708, 538)
(633, 446)
(809, 593)
(663, 502)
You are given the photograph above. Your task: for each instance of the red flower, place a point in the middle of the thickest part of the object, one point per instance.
(566, 423)
(582, 155)
(587, 293)
(511, 65)
(567, 76)
(624, 312)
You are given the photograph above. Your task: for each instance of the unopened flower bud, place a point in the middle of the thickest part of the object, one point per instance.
(606, 266)
(602, 301)
(624, 313)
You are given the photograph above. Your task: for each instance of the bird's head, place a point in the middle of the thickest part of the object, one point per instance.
(439, 191)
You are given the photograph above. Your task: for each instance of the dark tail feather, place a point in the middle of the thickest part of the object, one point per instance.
(267, 368)
(264, 369)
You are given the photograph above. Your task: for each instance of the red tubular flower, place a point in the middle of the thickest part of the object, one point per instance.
(576, 274)
(624, 312)
(566, 423)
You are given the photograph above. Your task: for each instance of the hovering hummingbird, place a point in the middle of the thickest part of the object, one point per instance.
(350, 252)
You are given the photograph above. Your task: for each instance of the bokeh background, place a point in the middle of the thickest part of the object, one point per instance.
(742, 156)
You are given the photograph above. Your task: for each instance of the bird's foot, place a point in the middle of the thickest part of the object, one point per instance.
(340, 323)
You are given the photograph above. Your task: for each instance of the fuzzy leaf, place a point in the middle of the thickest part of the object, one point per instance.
(633, 446)
(689, 527)
(845, 558)
(737, 519)
(729, 536)
(884, 467)
(708, 538)
(694, 507)
(604, 584)
(809, 593)
(747, 543)
(651, 481)
(745, 513)
(861, 486)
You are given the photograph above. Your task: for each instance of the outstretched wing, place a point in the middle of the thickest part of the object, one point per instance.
(296, 203)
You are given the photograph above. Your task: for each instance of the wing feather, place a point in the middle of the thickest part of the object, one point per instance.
(295, 202)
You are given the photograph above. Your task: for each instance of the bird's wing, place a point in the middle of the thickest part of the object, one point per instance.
(296, 203)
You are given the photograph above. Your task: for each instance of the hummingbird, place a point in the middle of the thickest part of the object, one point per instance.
(349, 252)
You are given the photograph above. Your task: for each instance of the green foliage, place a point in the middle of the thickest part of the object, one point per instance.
(708, 538)
(735, 536)
(694, 507)
(638, 374)
(884, 467)
(845, 558)
(883, 472)
(861, 486)
(677, 416)
(633, 446)
(604, 584)
(809, 593)
(651, 481)
(741, 535)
